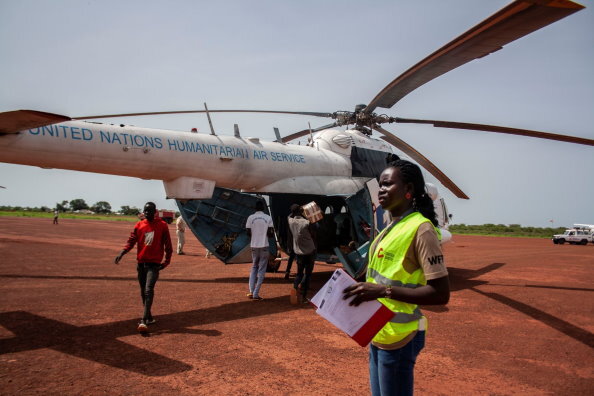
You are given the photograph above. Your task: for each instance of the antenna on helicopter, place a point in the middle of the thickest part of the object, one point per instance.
(236, 129)
(278, 135)
(212, 132)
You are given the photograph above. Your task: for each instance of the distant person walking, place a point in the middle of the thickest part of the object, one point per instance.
(303, 236)
(180, 232)
(259, 229)
(152, 239)
(56, 214)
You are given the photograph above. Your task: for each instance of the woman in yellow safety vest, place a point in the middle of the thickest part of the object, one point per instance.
(405, 269)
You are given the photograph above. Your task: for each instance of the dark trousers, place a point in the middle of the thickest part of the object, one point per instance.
(148, 273)
(290, 263)
(305, 264)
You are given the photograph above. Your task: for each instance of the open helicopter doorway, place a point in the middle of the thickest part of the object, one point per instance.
(347, 223)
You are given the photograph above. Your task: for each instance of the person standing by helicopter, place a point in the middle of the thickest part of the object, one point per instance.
(259, 229)
(290, 249)
(180, 232)
(303, 237)
(406, 268)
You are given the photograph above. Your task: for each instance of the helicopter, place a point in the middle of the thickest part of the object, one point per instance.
(216, 180)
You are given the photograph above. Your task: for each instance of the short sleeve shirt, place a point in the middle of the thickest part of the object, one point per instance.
(425, 251)
(180, 225)
(259, 223)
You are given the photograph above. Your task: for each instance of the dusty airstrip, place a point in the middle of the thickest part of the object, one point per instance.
(520, 321)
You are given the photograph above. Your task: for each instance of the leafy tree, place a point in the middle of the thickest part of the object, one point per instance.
(130, 211)
(101, 207)
(78, 204)
(62, 207)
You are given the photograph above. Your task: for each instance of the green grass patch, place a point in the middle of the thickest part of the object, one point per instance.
(511, 230)
(67, 215)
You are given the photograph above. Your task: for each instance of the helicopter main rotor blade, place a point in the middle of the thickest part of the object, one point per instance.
(510, 23)
(19, 120)
(305, 132)
(498, 129)
(422, 160)
(307, 113)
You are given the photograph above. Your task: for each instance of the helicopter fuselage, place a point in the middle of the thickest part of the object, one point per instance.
(248, 164)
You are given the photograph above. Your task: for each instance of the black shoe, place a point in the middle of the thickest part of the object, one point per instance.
(287, 275)
(150, 321)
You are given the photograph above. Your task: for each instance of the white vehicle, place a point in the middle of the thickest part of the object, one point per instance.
(580, 234)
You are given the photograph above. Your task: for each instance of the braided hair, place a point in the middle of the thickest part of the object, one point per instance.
(421, 202)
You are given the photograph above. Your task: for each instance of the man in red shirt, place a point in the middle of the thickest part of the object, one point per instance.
(152, 239)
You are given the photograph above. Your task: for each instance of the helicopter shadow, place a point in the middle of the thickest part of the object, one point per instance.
(316, 278)
(465, 279)
(101, 343)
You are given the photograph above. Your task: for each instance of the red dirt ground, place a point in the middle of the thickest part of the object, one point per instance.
(520, 321)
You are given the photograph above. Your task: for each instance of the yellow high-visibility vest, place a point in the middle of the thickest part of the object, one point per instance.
(386, 257)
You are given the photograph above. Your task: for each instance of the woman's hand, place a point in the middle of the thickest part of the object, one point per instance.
(364, 291)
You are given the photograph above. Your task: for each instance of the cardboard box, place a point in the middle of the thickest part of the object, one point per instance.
(313, 212)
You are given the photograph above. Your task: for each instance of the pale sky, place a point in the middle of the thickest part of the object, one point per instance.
(102, 57)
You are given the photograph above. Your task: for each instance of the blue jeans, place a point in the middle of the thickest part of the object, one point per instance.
(392, 372)
(148, 273)
(259, 264)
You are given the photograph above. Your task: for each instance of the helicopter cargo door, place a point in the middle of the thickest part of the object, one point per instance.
(362, 210)
(219, 223)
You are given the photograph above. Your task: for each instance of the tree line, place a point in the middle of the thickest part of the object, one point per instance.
(103, 207)
(78, 205)
(506, 230)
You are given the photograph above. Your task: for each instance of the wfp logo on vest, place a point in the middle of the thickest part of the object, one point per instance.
(436, 260)
(387, 255)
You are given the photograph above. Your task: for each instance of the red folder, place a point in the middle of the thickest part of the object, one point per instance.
(366, 333)
(361, 323)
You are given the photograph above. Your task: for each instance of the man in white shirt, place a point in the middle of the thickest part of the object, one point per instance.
(259, 229)
(180, 231)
